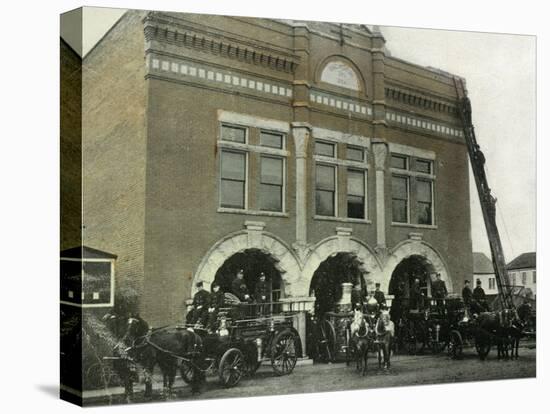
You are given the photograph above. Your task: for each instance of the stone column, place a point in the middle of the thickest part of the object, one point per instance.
(301, 133)
(380, 151)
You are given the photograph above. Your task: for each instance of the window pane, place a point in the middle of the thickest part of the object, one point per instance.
(325, 179)
(424, 191)
(271, 197)
(272, 170)
(399, 188)
(324, 148)
(399, 211)
(424, 213)
(424, 166)
(232, 194)
(356, 183)
(235, 134)
(399, 162)
(324, 203)
(233, 165)
(268, 139)
(355, 154)
(356, 207)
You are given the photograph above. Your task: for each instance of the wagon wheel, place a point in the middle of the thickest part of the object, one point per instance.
(187, 372)
(326, 341)
(284, 352)
(483, 346)
(232, 367)
(455, 345)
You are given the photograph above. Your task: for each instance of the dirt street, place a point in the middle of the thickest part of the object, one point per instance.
(405, 370)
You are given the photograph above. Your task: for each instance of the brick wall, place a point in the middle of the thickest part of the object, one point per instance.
(113, 131)
(71, 146)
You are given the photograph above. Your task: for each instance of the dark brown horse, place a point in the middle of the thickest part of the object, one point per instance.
(497, 328)
(166, 347)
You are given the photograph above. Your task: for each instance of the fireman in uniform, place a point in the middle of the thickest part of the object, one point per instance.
(467, 294)
(216, 302)
(416, 299)
(379, 295)
(198, 313)
(479, 301)
(239, 289)
(439, 292)
(262, 295)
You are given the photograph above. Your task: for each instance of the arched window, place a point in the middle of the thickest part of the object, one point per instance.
(339, 73)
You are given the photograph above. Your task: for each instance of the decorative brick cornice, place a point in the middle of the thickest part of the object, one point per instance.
(419, 99)
(178, 32)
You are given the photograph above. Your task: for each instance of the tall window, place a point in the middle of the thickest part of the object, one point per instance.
(492, 283)
(534, 276)
(325, 190)
(271, 183)
(356, 193)
(233, 179)
(424, 202)
(400, 199)
(513, 279)
(523, 278)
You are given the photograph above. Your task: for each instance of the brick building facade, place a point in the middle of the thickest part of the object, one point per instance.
(209, 137)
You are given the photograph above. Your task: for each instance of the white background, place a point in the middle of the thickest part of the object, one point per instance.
(29, 233)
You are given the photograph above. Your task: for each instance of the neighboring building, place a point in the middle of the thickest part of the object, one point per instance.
(522, 271)
(302, 149)
(484, 271)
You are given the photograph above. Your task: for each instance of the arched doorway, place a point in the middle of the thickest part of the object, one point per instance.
(253, 262)
(327, 280)
(409, 269)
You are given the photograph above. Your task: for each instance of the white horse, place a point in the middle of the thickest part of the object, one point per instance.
(360, 340)
(385, 331)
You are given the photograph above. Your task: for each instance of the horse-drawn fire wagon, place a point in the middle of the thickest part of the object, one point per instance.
(239, 345)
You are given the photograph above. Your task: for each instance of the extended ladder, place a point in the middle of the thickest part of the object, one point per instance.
(487, 201)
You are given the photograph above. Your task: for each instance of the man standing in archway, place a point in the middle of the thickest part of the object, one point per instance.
(239, 289)
(379, 295)
(439, 292)
(262, 295)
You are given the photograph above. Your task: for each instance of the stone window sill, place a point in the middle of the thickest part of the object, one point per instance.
(342, 219)
(416, 226)
(252, 212)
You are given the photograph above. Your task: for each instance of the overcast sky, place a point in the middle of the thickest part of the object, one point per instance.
(500, 74)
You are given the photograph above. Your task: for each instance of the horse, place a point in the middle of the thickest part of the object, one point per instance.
(384, 332)
(360, 340)
(516, 332)
(498, 327)
(166, 347)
